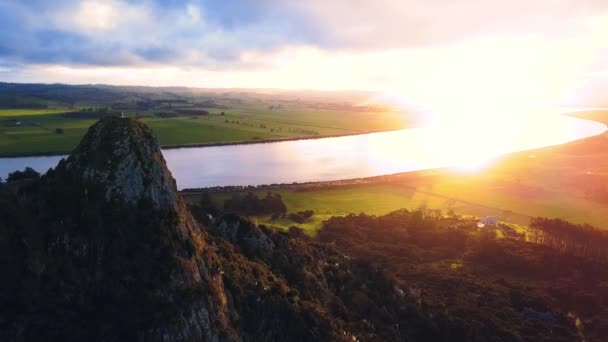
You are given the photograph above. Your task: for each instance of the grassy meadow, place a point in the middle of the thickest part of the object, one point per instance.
(6, 113)
(380, 199)
(452, 194)
(24, 131)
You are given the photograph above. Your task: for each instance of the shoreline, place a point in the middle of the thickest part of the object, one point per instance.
(269, 141)
(328, 184)
(210, 144)
(316, 185)
(429, 174)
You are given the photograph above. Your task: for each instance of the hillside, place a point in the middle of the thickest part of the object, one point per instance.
(103, 248)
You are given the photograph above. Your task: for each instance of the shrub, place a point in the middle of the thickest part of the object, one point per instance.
(301, 216)
(250, 204)
(27, 173)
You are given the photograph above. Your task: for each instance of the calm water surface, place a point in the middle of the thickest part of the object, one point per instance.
(354, 156)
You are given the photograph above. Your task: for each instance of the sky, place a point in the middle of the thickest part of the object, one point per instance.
(440, 52)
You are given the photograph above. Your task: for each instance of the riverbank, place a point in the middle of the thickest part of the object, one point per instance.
(191, 127)
(564, 181)
(373, 196)
(212, 144)
(305, 186)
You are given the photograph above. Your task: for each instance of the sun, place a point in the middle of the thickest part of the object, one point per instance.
(474, 139)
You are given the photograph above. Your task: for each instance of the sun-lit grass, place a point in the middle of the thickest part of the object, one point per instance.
(552, 184)
(189, 131)
(35, 132)
(375, 199)
(28, 112)
(382, 199)
(329, 119)
(543, 203)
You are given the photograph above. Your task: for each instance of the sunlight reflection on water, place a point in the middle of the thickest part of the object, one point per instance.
(457, 145)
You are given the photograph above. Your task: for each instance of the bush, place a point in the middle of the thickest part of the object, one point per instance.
(250, 204)
(27, 173)
(301, 216)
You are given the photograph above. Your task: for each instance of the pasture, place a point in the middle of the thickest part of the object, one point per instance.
(566, 181)
(35, 131)
(371, 199)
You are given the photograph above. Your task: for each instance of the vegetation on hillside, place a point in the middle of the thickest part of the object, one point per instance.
(78, 267)
(480, 285)
(251, 204)
(544, 283)
(87, 257)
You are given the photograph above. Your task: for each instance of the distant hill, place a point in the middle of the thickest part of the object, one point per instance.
(34, 95)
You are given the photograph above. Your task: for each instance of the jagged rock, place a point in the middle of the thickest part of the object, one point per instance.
(103, 249)
(123, 156)
(244, 234)
(121, 252)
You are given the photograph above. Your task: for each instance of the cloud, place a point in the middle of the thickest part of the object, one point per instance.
(118, 32)
(434, 51)
(216, 34)
(411, 23)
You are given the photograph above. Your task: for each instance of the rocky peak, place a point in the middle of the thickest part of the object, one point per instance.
(122, 156)
(103, 248)
(124, 235)
(245, 235)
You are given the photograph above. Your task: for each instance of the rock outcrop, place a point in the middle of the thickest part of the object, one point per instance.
(120, 252)
(103, 248)
(244, 234)
(123, 156)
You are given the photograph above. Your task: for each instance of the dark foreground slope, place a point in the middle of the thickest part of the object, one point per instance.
(103, 248)
(550, 285)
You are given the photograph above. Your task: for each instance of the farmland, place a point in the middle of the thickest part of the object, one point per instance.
(565, 181)
(180, 119)
(448, 195)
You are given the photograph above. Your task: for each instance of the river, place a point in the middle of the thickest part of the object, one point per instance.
(324, 159)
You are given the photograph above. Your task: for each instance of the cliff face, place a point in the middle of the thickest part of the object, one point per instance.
(116, 247)
(123, 156)
(103, 248)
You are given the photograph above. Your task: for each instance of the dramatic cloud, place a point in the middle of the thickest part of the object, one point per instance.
(448, 53)
(398, 24)
(215, 33)
(113, 32)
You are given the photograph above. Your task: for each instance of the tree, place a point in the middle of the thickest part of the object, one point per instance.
(27, 173)
(208, 205)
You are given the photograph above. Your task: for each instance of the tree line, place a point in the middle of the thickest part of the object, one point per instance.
(569, 238)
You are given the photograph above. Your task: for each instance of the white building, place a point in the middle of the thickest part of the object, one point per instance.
(487, 221)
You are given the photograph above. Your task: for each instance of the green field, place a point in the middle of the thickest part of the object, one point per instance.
(4, 113)
(567, 181)
(379, 199)
(373, 199)
(34, 131)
